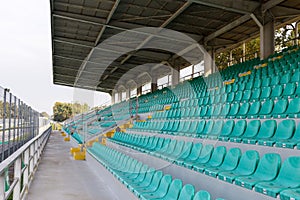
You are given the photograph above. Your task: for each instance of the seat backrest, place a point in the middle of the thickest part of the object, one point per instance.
(178, 148)
(285, 129)
(296, 136)
(254, 108)
(266, 107)
(289, 174)
(267, 129)
(280, 106)
(268, 167)
(248, 162)
(252, 128)
(205, 153)
(202, 195)
(208, 127)
(294, 107)
(234, 109)
(217, 127)
(244, 108)
(187, 192)
(174, 189)
(231, 159)
(289, 89)
(227, 128)
(164, 184)
(200, 127)
(195, 152)
(217, 156)
(186, 150)
(239, 128)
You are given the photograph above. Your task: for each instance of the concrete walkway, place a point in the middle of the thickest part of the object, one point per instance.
(62, 178)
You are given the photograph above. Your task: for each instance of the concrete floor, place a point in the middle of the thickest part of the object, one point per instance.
(62, 178)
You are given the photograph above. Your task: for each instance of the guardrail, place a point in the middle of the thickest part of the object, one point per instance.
(24, 162)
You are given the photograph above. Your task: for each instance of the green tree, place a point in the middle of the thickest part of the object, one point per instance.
(62, 111)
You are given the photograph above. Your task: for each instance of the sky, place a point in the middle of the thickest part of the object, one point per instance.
(26, 57)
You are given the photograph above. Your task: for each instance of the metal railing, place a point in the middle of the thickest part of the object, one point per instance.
(22, 164)
(18, 123)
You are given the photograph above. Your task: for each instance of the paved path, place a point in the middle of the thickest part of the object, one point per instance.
(60, 177)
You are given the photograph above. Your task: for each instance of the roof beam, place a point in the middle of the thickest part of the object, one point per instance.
(270, 4)
(79, 6)
(168, 21)
(237, 6)
(107, 21)
(228, 27)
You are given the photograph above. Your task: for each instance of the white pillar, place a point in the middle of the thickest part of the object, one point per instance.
(113, 100)
(175, 76)
(209, 63)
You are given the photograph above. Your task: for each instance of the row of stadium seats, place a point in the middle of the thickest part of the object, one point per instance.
(270, 108)
(282, 134)
(145, 182)
(266, 174)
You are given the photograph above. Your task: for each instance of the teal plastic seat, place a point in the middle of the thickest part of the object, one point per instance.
(195, 152)
(230, 162)
(234, 109)
(226, 130)
(186, 150)
(266, 131)
(216, 130)
(225, 110)
(254, 110)
(284, 131)
(290, 143)
(187, 192)
(246, 166)
(244, 108)
(203, 157)
(173, 191)
(290, 194)
(202, 195)
(289, 90)
(207, 129)
(216, 159)
(251, 131)
(288, 178)
(169, 150)
(255, 94)
(276, 92)
(293, 110)
(280, 108)
(176, 152)
(237, 131)
(200, 128)
(267, 170)
(246, 96)
(158, 191)
(266, 109)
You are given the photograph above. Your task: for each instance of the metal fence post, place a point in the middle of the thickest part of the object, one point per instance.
(17, 177)
(19, 119)
(9, 124)
(15, 118)
(3, 127)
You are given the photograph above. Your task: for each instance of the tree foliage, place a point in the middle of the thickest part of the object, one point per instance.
(63, 111)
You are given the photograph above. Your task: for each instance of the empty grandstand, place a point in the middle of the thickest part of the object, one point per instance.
(180, 125)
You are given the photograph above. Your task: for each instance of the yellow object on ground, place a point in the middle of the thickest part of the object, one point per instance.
(79, 155)
(67, 139)
(74, 149)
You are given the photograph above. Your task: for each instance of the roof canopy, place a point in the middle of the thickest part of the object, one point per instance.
(96, 42)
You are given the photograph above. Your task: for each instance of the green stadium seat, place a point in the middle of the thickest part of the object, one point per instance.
(293, 110)
(280, 108)
(207, 129)
(186, 150)
(284, 131)
(203, 157)
(157, 191)
(266, 109)
(173, 191)
(254, 110)
(246, 166)
(289, 90)
(216, 159)
(186, 193)
(202, 195)
(288, 178)
(246, 96)
(290, 143)
(266, 131)
(276, 92)
(267, 170)
(225, 110)
(226, 130)
(230, 162)
(251, 131)
(244, 108)
(195, 152)
(237, 131)
(290, 194)
(234, 109)
(216, 130)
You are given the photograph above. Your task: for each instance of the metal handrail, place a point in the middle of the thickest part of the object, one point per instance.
(29, 154)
